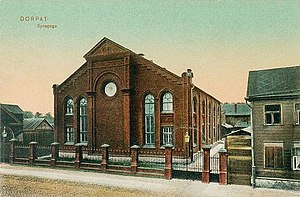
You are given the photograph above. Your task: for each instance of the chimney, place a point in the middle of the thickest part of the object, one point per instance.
(235, 107)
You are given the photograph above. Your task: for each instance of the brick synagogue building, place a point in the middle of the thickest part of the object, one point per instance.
(118, 97)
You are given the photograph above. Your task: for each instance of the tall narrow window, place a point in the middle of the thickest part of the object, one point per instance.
(195, 104)
(297, 113)
(149, 120)
(203, 122)
(167, 135)
(209, 121)
(214, 122)
(83, 120)
(167, 103)
(272, 114)
(69, 107)
(195, 131)
(69, 134)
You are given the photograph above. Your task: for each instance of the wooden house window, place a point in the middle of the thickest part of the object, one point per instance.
(297, 113)
(273, 155)
(272, 114)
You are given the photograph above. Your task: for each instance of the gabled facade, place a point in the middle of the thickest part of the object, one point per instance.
(275, 98)
(11, 117)
(37, 130)
(122, 99)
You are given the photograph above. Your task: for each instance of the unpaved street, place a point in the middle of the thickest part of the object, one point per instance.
(38, 181)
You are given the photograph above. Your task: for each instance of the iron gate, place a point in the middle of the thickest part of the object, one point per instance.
(191, 168)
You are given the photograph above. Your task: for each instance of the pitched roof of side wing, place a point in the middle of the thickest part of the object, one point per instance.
(274, 83)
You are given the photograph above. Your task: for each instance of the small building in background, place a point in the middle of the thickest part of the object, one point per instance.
(11, 117)
(37, 130)
(235, 116)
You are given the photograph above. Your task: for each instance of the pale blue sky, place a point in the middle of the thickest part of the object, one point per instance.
(219, 40)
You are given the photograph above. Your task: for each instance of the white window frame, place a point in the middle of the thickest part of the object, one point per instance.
(69, 134)
(167, 135)
(167, 103)
(69, 106)
(83, 121)
(149, 114)
(297, 114)
(273, 144)
(272, 114)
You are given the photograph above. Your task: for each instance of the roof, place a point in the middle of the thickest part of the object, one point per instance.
(33, 123)
(15, 109)
(241, 124)
(227, 126)
(245, 131)
(236, 109)
(274, 83)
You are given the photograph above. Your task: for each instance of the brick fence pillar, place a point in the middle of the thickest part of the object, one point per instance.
(32, 152)
(54, 153)
(134, 158)
(12, 150)
(168, 161)
(223, 166)
(105, 157)
(78, 155)
(206, 162)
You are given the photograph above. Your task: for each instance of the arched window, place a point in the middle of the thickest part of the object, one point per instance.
(203, 122)
(167, 102)
(69, 106)
(83, 120)
(149, 120)
(195, 104)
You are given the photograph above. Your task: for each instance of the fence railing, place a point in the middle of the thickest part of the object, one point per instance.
(161, 162)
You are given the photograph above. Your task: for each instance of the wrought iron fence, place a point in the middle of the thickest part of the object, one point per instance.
(214, 164)
(184, 163)
(22, 151)
(43, 152)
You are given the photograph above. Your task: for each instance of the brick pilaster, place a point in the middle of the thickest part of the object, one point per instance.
(12, 150)
(105, 157)
(168, 161)
(78, 155)
(32, 152)
(54, 153)
(134, 158)
(223, 166)
(206, 162)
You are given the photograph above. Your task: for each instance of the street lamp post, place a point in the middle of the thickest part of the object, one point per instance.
(4, 134)
(187, 140)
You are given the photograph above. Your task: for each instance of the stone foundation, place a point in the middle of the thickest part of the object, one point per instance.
(277, 183)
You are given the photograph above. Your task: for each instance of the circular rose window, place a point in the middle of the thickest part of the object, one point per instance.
(110, 89)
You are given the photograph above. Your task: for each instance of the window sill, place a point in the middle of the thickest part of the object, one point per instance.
(167, 112)
(273, 124)
(149, 146)
(163, 147)
(69, 143)
(69, 114)
(82, 144)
